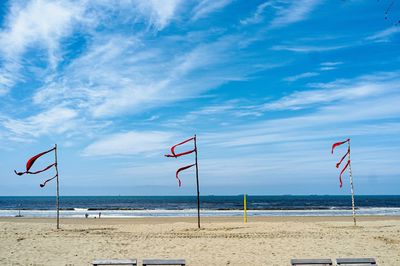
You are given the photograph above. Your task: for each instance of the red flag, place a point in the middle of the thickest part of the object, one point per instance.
(342, 159)
(42, 185)
(30, 163)
(32, 160)
(181, 169)
(338, 144)
(173, 154)
(344, 156)
(37, 172)
(340, 177)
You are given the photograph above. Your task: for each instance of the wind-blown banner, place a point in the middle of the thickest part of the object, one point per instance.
(347, 166)
(337, 144)
(48, 180)
(181, 169)
(31, 162)
(176, 155)
(346, 155)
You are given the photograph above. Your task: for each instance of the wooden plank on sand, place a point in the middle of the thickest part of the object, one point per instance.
(163, 262)
(315, 262)
(114, 262)
(356, 261)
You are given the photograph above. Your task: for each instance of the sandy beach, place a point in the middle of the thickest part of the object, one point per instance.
(221, 241)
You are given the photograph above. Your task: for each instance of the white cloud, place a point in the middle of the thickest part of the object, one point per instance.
(327, 66)
(301, 76)
(334, 121)
(119, 75)
(37, 24)
(307, 48)
(42, 25)
(6, 81)
(130, 143)
(56, 120)
(360, 107)
(331, 64)
(205, 7)
(159, 13)
(297, 11)
(257, 17)
(367, 86)
(385, 35)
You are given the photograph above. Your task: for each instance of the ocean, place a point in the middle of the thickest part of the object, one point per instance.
(174, 206)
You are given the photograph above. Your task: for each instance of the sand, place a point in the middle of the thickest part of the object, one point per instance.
(221, 241)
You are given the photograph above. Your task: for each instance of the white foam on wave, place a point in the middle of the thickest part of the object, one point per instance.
(80, 213)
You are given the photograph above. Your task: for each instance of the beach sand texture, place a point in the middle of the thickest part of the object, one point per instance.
(221, 241)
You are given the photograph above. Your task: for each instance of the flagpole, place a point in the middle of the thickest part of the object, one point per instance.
(197, 181)
(244, 209)
(58, 188)
(352, 187)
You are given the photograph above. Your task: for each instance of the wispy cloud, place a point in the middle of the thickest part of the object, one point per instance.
(295, 12)
(39, 24)
(334, 121)
(55, 120)
(307, 48)
(330, 64)
(157, 13)
(301, 76)
(138, 79)
(385, 35)
(327, 66)
(205, 7)
(363, 87)
(257, 17)
(130, 143)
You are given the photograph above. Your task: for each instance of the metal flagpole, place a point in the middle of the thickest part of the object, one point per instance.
(352, 187)
(197, 181)
(58, 188)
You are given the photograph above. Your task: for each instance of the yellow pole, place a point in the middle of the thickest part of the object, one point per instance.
(245, 208)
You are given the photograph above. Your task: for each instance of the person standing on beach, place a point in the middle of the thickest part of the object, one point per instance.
(86, 215)
(99, 214)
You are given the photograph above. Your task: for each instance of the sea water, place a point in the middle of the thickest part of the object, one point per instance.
(175, 206)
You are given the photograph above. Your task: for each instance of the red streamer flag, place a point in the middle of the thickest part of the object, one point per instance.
(173, 154)
(30, 163)
(342, 159)
(32, 160)
(338, 144)
(344, 169)
(344, 156)
(181, 169)
(48, 180)
(176, 155)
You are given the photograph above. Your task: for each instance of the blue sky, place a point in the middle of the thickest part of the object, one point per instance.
(267, 86)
